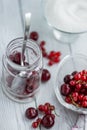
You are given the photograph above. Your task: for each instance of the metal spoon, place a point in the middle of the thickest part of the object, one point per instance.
(18, 83)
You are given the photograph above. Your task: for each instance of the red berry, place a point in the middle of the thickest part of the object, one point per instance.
(85, 98)
(31, 113)
(77, 76)
(16, 57)
(47, 104)
(78, 87)
(34, 35)
(84, 104)
(68, 100)
(38, 120)
(35, 124)
(47, 121)
(41, 107)
(72, 82)
(67, 78)
(50, 63)
(45, 108)
(75, 96)
(42, 43)
(80, 97)
(45, 75)
(83, 77)
(48, 112)
(53, 116)
(65, 89)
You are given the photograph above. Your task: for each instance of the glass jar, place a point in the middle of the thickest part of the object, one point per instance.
(29, 74)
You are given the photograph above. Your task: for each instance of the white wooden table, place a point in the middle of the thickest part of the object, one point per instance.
(11, 26)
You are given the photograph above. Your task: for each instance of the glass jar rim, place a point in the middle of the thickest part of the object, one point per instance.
(30, 66)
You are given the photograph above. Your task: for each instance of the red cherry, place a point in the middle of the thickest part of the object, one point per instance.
(45, 75)
(68, 100)
(34, 35)
(73, 73)
(31, 113)
(47, 104)
(84, 104)
(83, 77)
(75, 96)
(65, 89)
(48, 112)
(35, 124)
(41, 107)
(85, 98)
(38, 120)
(67, 78)
(72, 83)
(47, 121)
(16, 57)
(78, 87)
(77, 76)
(80, 97)
(84, 72)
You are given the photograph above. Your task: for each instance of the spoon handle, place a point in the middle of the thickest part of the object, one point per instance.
(26, 35)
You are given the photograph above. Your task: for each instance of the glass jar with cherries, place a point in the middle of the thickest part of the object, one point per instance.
(21, 82)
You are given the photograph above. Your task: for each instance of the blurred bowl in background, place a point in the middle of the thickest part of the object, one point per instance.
(66, 18)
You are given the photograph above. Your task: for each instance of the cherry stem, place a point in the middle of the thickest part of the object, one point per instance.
(56, 113)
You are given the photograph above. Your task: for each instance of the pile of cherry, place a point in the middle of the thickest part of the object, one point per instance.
(74, 88)
(47, 118)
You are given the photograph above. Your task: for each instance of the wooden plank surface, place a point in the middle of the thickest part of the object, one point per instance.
(11, 24)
